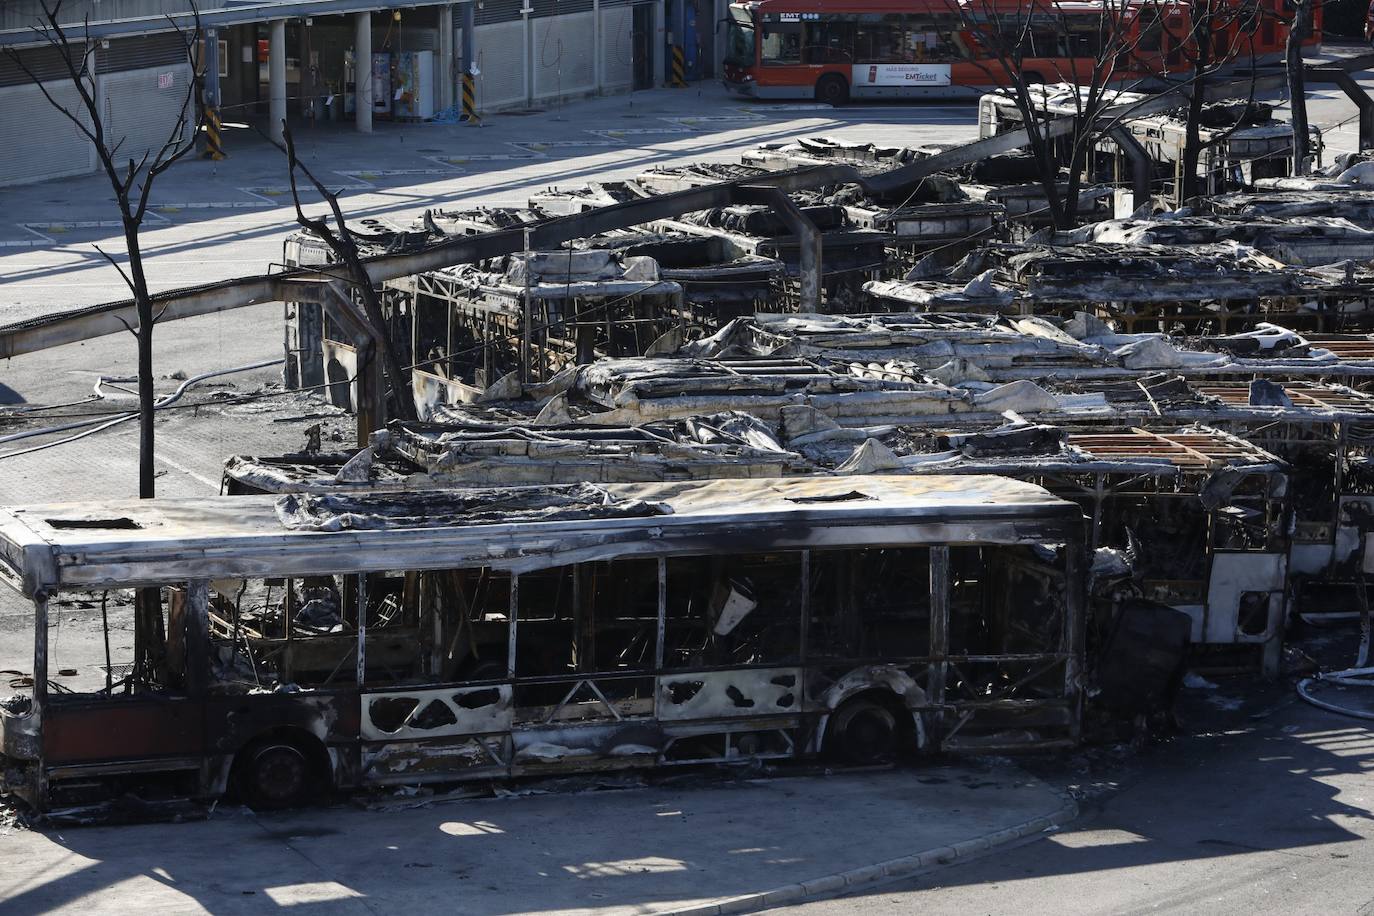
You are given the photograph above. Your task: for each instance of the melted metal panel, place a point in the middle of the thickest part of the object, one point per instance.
(436, 712)
(755, 692)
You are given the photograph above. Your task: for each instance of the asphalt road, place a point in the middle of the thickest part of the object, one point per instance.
(1264, 809)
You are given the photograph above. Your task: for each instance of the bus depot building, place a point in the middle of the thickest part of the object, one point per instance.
(306, 61)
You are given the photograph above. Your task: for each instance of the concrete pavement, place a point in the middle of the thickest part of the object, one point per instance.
(1267, 808)
(683, 846)
(213, 220)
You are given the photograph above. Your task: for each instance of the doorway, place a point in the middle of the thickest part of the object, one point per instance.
(642, 45)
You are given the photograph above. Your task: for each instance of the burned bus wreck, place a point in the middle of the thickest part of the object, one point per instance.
(1241, 141)
(1190, 517)
(996, 190)
(548, 310)
(288, 645)
(1204, 287)
(507, 451)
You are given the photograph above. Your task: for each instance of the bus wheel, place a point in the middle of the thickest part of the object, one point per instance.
(863, 731)
(832, 89)
(275, 773)
(1033, 79)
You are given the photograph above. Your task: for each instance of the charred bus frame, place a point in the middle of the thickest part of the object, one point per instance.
(476, 634)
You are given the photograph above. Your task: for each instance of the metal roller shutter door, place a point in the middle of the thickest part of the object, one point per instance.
(140, 114)
(143, 52)
(501, 58)
(36, 140)
(563, 62)
(616, 26)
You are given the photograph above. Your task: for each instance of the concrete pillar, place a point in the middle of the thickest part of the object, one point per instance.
(598, 67)
(528, 45)
(362, 72)
(469, 37)
(211, 88)
(660, 43)
(276, 78)
(722, 12)
(446, 69)
(679, 39)
(467, 92)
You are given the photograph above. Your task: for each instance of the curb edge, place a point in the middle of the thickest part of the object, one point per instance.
(870, 874)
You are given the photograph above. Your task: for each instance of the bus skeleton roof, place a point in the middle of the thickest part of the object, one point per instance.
(155, 542)
(899, 6)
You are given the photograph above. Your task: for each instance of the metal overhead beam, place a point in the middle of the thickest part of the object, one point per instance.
(1141, 165)
(805, 231)
(1355, 92)
(71, 327)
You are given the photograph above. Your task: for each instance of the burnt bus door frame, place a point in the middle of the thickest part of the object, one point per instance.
(132, 733)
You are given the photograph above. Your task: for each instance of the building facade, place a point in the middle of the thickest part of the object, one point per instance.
(319, 59)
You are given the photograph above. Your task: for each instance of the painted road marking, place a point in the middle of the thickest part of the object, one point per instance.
(716, 119)
(40, 240)
(212, 205)
(369, 174)
(273, 193)
(460, 158)
(642, 131)
(541, 147)
(807, 106)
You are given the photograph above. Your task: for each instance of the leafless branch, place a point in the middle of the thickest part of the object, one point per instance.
(345, 249)
(115, 264)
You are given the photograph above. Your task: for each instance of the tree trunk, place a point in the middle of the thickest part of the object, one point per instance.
(1201, 15)
(144, 331)
(1297, 89)
(1192, 145)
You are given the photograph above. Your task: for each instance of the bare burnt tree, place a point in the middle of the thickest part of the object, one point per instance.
(1206, 37)
(1299, 30)
(345, 250)
(1033, 42)
(130, 178)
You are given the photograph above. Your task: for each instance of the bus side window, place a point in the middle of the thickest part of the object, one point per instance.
(617, 615)
(882, 39)
(266, 632)
(468, 610)
(1178, 35)
(782, 43)
(92, 642)
(545, 623)
(865, 603)
(742, 609)
(830, 41)
(1151, 32)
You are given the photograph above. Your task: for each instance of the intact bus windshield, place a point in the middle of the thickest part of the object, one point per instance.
(739, 38)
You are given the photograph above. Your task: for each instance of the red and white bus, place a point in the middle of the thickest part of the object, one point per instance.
(835, 50)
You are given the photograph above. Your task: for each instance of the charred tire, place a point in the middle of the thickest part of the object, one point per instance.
(864, 731)
(275, 773)
(832, 89)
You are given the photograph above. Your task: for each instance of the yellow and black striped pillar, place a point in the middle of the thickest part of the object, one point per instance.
(679, 80)
(470, 99)
(214, 145)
